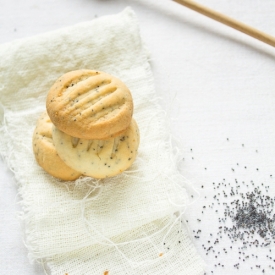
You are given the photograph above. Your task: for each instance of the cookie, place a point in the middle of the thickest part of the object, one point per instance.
(90, 104)
(45, 152)
(98, 158)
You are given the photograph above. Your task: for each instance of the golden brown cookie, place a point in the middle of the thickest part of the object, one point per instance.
(98, 158)
(90, 104)
(45, 152)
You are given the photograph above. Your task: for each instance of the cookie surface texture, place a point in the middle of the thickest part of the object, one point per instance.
(90, 104)
(98, 158)
(46, 154)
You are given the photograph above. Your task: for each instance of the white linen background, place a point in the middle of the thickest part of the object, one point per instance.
(214, 82)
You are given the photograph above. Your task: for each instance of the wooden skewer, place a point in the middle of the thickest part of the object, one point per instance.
(266, 38)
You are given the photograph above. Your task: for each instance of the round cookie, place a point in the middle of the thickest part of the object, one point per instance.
(98, 158)
(90, 104)
(45, 152)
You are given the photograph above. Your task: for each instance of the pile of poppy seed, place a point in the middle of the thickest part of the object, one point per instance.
(253, 217)
(251, 220)
(246, 218)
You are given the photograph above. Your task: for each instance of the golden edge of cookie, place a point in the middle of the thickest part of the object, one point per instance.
(46, 154)
(80, 125)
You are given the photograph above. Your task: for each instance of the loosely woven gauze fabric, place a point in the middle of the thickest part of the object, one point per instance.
(128, 224)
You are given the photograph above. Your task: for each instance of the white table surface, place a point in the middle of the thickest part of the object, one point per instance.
(217, 86)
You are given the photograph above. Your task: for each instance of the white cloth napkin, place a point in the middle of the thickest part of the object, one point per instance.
(123, 225)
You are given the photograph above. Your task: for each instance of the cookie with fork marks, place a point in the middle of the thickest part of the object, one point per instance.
(98, 158)
(90, 104)
(45, 152)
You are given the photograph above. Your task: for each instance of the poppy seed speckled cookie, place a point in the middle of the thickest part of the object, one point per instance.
(98, 158)
(90, 104)
(45, 152)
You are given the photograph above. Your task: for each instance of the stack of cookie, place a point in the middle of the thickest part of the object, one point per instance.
(88, 128)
